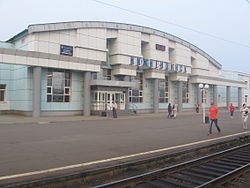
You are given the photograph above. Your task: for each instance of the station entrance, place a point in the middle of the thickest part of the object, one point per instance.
(102, 100)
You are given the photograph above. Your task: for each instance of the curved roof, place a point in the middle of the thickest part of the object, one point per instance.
(113, 25)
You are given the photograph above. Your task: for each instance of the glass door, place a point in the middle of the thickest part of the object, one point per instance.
(119, 99)
(102, 100)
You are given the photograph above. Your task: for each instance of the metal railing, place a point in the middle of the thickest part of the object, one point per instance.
(133, 107)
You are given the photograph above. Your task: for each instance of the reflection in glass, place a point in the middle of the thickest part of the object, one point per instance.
(57, 98)
(58, 85)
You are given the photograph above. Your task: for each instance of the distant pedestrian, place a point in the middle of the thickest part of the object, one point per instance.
(197, 107)
(213, 118)
(174, 109)
(169, 110)
(231, 109)
(244, 115)
(114, 107)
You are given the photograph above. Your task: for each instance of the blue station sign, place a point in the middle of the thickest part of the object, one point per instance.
(66, 50)
(161, 65)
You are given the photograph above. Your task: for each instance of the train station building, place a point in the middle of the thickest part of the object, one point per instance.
(80, 68)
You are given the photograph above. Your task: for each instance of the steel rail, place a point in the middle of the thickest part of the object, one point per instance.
(225, 177)
(142, 178)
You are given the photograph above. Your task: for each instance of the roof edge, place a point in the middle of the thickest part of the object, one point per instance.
(115, 25)
(18, 36)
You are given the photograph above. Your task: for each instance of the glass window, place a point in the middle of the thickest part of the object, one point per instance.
(163, 90)
(161, 100)
(49, 82)
(67, 74)
(2, 92)
(107, 74)
(57, 98)
(58, 85)
(66, 98)
(2, 95)
(185, 92)
(49, 98)
(66, 91)
(135, 99)
(95, 96)
(67, 82)
(136, 95)
(49, 90)
(93, 76)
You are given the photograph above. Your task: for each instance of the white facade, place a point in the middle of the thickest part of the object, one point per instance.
(123, 58)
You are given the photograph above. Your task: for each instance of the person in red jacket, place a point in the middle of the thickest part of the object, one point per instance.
(213, 118)
(231, 108)
(197, 107)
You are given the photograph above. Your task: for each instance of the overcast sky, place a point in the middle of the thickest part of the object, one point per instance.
(225, 19)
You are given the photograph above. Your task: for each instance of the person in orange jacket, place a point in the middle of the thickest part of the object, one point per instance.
(213, 118)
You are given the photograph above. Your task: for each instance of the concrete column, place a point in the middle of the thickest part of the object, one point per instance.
(228, 94)
(36, 98)
(126, 78)
(239, 97)
(105, 100)
(199, 97)
(179, 102)
(86, 93)
(156, 96)
(127, 99)
(215, 94)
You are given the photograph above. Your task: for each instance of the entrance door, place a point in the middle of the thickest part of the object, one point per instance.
(120, 100)
(102, 100)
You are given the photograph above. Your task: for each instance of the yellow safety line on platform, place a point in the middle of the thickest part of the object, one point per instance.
(115, 158)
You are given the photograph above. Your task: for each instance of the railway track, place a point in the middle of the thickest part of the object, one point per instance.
(209, 171)
(100, 176)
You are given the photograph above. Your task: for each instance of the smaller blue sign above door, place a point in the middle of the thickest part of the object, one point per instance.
(66, 50)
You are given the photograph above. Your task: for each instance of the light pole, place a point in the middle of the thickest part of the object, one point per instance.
(203, 88)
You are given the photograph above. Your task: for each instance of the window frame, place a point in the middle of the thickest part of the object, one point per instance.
(165, 97)
(185, 89)
(3, 90)
(133, 96)
(65, 97)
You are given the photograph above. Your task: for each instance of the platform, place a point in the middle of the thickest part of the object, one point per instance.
(38, 146)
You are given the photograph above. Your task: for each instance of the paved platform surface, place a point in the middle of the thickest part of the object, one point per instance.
(34, 145)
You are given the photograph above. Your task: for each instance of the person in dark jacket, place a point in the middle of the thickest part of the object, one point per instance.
(114, 107)
(169, 110)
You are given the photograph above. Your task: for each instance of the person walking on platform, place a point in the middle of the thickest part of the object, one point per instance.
(114, 107)
(231, 108)
(169, 110)
(197, 107)
(244, 115)
(213, 118)
(174, 109)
